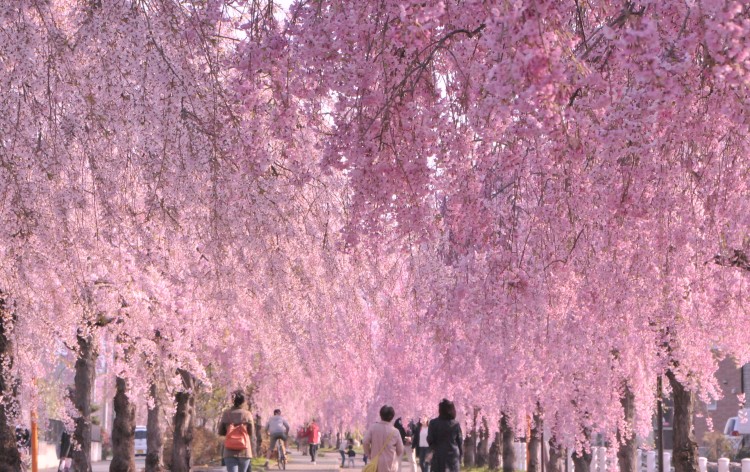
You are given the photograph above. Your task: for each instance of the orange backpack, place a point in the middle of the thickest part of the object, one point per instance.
(237, 438)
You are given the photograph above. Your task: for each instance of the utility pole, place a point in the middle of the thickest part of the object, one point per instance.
(34, 442)
(659, 425)
(34, 436)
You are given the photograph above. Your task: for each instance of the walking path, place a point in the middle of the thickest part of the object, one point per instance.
(329, 462)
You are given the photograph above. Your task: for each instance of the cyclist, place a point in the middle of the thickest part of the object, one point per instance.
(278, 429)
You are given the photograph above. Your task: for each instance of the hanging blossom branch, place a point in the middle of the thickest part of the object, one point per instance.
(738, 258)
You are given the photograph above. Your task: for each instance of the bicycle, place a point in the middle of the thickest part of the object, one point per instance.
(281, 463)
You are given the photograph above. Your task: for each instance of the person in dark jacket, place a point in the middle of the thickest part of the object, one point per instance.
(445, 439)
(406, 438)
(400, 427)
(66, 452)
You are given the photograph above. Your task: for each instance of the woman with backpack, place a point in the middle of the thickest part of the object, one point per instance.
(237, 426)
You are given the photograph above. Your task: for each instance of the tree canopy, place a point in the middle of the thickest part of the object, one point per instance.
(528, 205)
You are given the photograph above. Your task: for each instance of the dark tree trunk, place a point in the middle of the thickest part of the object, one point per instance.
(626, 454)
(556, 456)
(685, 449)
(154, 432)
(483, 448)
(469, 445)
(258, 434)
(493, 458)
(535, 443)
(10, 460)
(470, 442)
(183, 424)
(509, 454)
(123, 430)
(84, 380)
(582, 459)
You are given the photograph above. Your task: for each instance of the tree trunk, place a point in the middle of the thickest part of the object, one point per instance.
(582, 459)
(685, 449)
(123, 430)
(258, 434)
(493, 458)
(483, 448)
(154, 431)
(183, 424)
(556, 456)
(10, 461)
(535, 445)
(509, 453)
(84, 380)
(626, 454)
(469, 445)
(470, 442)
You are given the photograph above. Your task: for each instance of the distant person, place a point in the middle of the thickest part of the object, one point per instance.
(400, 427)
(419, 442)
(406, 439)
(304, 438)
(278, 429)
(300, 434)
(445, 439)
(350, 455)
(383, 442)
(343, 446)
(23, 437)
(314, 438)
(66, 452)
(237, 427)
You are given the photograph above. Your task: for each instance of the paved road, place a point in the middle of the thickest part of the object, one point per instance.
(330, 462)
(103, 466)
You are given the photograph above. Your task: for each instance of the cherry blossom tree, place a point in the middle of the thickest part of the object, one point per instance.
(570, 156)
(526, 206)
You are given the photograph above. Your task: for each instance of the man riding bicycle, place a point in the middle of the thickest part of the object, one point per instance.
(278, 429)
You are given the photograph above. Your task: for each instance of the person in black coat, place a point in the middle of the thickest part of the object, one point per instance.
(66, 452)
(400, 427)
(445, 439)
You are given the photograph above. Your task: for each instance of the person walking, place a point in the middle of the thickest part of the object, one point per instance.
(298, 439)
(419, 442)
(406, 437)
(305, 438)
(314, 439)
(66, 452)
(383, 442)
(445, 439)
(237, 426)
(343, 443)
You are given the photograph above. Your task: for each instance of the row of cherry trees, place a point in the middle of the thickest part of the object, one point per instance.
(535, 208)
